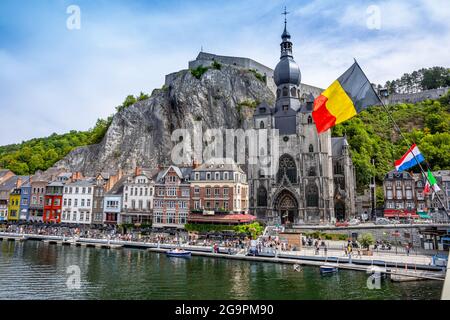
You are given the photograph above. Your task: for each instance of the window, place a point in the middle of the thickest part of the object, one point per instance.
(261, 200)
(287, 167)
(310, 120)
(225, 191)
(216, 192)
(261, 125)
(197, 176)
(208, 192)
(196, 190)
(293, 92)
(217, 176)
(312, 172)
(196, 204)
(208, 176)
(389, 194)
(81, 216)
(312, 195)
(399, 194)
(225, 176)
(185, 192)
(311, 148)
(285, 91)
(285, 107)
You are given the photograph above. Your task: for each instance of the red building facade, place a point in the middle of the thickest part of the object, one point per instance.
(53, 202)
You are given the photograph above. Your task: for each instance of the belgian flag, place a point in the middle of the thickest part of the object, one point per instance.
(347, 96)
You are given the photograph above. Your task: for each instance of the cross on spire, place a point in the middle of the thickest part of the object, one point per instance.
(285, 13)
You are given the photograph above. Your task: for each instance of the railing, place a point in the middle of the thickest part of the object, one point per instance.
(446, 289)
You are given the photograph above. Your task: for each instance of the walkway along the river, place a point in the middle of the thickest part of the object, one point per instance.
(399, 265)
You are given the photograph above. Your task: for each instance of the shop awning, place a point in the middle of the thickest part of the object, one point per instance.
(423, 215)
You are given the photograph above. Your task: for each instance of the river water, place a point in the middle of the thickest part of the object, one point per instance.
(35, 270)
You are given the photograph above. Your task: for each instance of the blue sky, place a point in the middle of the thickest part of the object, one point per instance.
(53, 79)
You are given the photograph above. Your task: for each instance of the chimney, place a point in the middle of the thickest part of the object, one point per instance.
(195, 164)
(137, 171)
(19, 182)
(76, 176)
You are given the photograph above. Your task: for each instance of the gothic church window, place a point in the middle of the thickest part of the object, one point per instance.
(312, 195)
(287, 167)
(293, 92)
(312, 172)
(310, 120)
(285, 91)
(262, 197)
(261, 125)
(311, 148)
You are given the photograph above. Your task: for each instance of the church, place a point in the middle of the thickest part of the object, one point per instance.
(315, 179)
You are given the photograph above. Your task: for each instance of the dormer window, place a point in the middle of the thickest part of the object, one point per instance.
(208, 176)
(293, 92)
(262, 110)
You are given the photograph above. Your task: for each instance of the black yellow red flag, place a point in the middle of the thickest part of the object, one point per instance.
(351, 93)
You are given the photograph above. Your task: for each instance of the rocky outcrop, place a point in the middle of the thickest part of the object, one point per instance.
(140, 135)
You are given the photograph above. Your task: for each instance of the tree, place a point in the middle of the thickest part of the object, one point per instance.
(366, 240)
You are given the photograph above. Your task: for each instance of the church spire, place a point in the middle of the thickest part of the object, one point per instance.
(286, 45)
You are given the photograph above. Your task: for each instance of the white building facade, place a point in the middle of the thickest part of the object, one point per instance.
(78, 202)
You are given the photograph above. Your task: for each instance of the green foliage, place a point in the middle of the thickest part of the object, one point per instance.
(248, 103)
(207, 227)
(142, 96)
(199, 71)
(366, 240)
(258, 75)
(129, 100)
(254, 229)
(42, 153)
(327, 236)
(423, 79)
(371, 135)
(216, 65)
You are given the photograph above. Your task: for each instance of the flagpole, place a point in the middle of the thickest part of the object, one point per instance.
(396, 126)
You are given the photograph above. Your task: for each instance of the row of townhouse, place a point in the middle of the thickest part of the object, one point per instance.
(215, 192)
(404, 194)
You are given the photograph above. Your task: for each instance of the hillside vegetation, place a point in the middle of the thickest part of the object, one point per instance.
(371, 134)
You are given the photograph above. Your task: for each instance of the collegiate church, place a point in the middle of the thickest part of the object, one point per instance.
(315, 180)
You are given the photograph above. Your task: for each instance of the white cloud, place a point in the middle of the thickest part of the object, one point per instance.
(64, 80)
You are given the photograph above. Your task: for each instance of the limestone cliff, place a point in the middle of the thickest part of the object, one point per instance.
(140, 134)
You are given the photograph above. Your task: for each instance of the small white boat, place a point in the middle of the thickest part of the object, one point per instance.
(328, 268)
(178, 253)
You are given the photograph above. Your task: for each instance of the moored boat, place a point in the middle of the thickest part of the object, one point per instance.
(178, 253)
(328, 268)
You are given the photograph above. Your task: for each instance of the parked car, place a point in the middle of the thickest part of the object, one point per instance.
(354, 222)
(342, 224)
(382, 221)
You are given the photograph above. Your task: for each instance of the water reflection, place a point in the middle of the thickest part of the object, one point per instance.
(38, 271)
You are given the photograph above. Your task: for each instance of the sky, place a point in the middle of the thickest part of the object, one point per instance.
(56, 77)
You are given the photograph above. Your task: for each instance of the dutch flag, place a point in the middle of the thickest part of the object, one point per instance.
(408, 160)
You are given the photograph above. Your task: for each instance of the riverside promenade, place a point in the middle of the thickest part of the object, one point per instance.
(305, 256)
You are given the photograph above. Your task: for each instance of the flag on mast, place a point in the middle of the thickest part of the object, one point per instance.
(351, 93)
(431, 184)
(410, 159)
